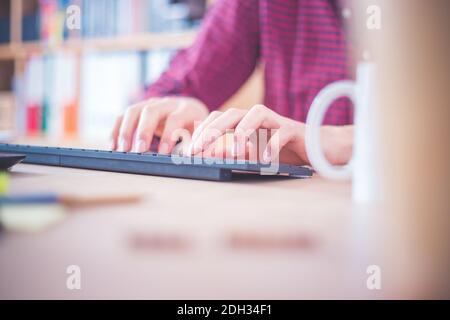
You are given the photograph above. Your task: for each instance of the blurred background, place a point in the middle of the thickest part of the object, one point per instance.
(58, 84)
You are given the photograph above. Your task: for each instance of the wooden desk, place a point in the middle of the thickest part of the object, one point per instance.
(204, 215)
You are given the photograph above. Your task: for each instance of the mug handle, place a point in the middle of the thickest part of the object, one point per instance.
(319, 107)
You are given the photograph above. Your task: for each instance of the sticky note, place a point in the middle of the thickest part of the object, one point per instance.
(31, 218)
(4, 182)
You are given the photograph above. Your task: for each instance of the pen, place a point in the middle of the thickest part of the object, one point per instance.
(68, 200)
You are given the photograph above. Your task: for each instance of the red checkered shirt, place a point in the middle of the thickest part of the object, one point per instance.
(301, 43)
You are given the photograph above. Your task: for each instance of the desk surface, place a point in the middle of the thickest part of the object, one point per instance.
(203, 216)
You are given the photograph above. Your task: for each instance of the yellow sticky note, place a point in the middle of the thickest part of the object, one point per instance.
(31, 218)
(3, 183)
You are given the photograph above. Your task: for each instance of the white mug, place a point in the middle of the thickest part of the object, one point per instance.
(363, 167)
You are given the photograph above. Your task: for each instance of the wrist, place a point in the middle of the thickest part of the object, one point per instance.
(300, 148)
(337, 143)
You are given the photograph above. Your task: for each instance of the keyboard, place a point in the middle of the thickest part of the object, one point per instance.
(150, 163)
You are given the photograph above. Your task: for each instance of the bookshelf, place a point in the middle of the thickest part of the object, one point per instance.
(19, 49)
(16, 47)
(22, 47)
(138, 42)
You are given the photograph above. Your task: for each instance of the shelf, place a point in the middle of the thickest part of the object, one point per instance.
(141, 42)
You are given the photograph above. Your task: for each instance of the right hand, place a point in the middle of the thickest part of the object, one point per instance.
(135, 129)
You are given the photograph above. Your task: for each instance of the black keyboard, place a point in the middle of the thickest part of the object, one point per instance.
(150, 163)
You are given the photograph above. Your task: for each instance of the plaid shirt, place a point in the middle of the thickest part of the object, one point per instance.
(301, 43)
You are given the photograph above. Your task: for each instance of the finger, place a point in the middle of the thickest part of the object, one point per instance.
(228, 120)
(210, 152)
(222, 147)
(278, 140)
(252, 155)
(128, 127)
(219, 150)
(258, 117)
(115, 133)
(174, 129)
(228, 145)
(211, 117)
(153, 114)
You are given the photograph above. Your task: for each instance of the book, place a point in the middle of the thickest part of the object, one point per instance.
(34, 78)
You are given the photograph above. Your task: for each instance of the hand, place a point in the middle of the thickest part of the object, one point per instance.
(134, 130)
(282, 134)
(285, 136)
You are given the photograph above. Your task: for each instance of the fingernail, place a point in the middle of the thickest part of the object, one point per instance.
(164, 148)
(190, 149)
(141, 146)
(235, 149)
(196, 148)
(238, 149)
(123, 145)
(267, 156)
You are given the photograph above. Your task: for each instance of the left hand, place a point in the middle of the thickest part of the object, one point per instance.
(285, 136)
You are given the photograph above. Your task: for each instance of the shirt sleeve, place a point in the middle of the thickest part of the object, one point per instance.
(221, 59)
